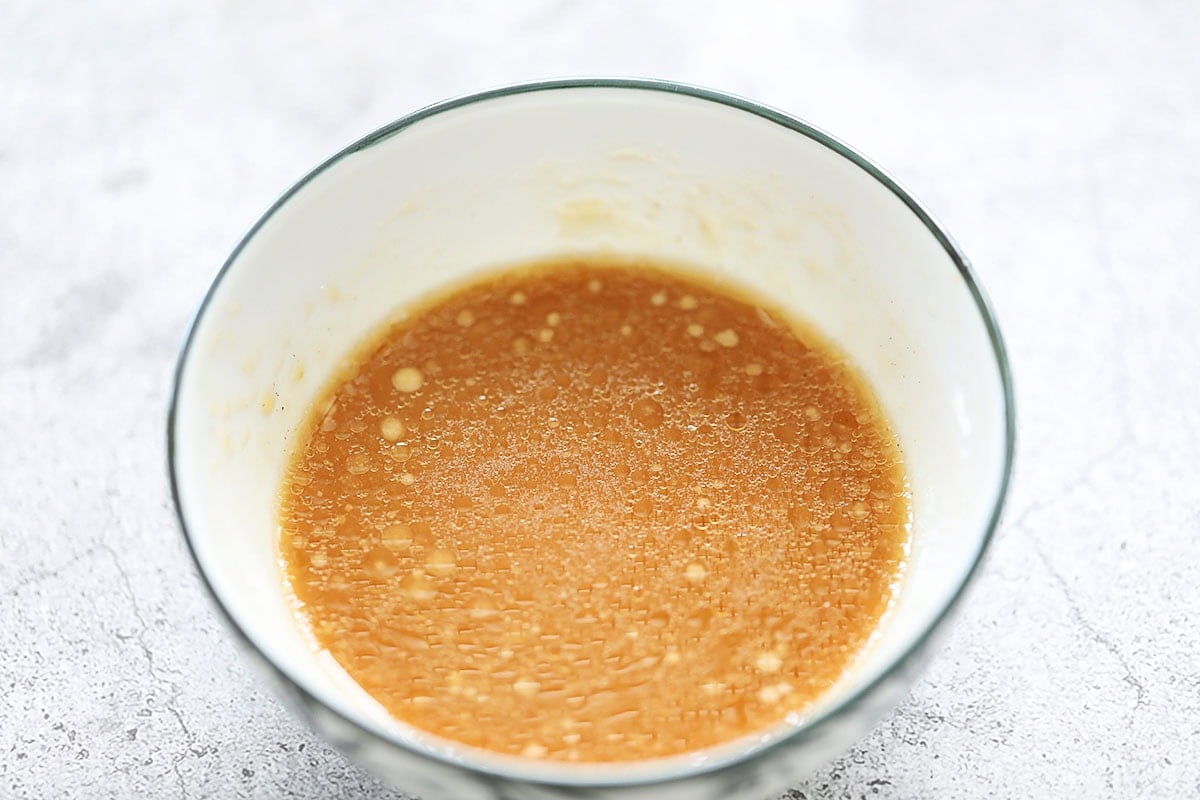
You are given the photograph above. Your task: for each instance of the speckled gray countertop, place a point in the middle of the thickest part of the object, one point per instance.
(1062, 148)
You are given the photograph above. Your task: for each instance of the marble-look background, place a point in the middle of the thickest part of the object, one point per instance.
(1059, 142)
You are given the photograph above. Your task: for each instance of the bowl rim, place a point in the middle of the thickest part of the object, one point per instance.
(809, 727)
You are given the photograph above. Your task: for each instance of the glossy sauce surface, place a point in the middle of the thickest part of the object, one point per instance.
(595, 511)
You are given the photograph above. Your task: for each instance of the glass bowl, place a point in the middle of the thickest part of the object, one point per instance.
(746, 193)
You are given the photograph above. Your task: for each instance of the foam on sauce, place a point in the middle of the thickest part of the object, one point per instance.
(595, 511)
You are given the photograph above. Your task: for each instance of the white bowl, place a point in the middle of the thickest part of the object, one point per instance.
(745, 193)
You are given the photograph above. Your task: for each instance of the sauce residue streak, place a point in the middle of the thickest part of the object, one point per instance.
(595, 511)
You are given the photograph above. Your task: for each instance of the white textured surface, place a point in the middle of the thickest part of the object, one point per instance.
(1060, 147)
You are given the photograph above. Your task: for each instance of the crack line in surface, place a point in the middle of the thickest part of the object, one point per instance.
(173, 688)
(1081, 621)
(45, 575)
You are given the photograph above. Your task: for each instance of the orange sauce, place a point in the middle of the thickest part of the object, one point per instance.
(595, 511)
